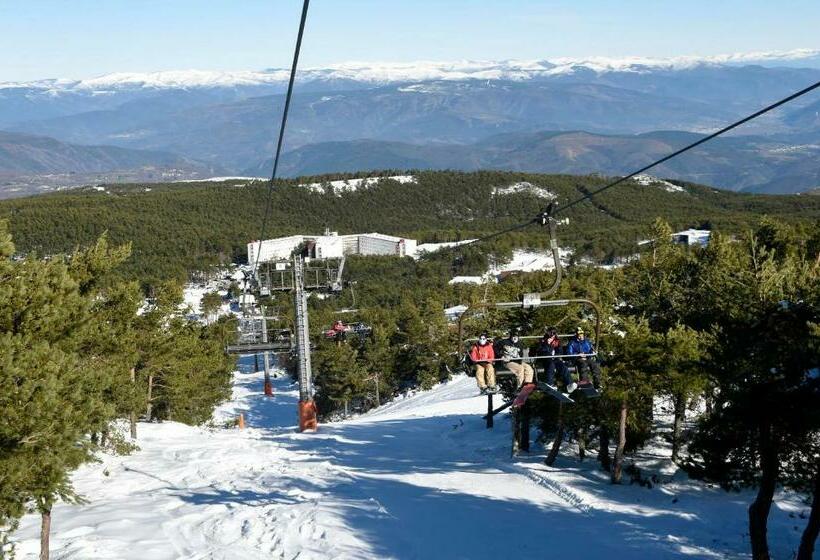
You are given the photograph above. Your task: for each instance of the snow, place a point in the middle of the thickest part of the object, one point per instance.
(221, 179)
(453, 313)
(397, 72)
(525, 260)
(192, 298)
(469, 280)
(648, 180)
(420, 477)
(526, 188)
(433, 247)
(351, 185)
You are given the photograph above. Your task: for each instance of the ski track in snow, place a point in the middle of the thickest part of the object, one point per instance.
(419, 478)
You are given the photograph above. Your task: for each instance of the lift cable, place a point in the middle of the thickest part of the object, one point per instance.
(553, 210)
(282, 131)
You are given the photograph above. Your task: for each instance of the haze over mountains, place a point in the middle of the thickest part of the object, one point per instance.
(575, 116)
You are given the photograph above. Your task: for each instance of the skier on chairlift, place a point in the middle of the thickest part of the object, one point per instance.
(511, 352)
(482, 355)
(550, 345)
(581, 346)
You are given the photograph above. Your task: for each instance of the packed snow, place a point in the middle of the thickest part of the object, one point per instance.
(221, 179)
(419, 478)
(525, 260)
(477, 280)
(649, 180)
(351, 185)
(192, 296)
(433, 247)
(525, 188)
(396, 72)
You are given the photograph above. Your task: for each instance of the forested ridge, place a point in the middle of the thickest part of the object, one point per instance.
(729, 333)
(178, 227)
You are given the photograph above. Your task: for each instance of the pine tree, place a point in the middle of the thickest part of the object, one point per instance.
(761, 303)
(340, 377)
(52, 394)
(630, 382)
(210, 304)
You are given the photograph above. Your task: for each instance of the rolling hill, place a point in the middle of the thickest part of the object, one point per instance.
(186, 226)
(740, 163)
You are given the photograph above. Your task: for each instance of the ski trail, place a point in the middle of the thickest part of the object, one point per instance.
(419, 478)
(561, 490)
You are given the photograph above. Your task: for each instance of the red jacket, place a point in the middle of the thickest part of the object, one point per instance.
(480, 353)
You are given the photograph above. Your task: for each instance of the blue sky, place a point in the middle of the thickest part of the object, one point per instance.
(85, 38)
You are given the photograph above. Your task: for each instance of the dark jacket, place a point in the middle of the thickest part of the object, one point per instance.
(510, 351)
(548, 347)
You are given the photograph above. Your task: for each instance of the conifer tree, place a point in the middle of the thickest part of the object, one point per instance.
(630, 382)
(762, 304)
(340, 377)
(52, 394)
(210, 304)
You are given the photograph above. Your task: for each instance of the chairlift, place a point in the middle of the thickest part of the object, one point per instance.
(588, 310)
(253, 337)
(340, 331)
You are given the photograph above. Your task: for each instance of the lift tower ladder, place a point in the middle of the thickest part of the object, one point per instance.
(307, 408)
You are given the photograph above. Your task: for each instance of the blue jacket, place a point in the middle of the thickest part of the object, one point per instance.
(580, 346)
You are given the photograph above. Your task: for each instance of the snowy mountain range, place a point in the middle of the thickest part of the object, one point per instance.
(227, 120)
(393, 72)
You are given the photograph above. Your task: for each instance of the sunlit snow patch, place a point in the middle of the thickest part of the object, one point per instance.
(351, 185)
(433, 247)
(525, 260)
(221, 179)
(525, 188)
(649, 180)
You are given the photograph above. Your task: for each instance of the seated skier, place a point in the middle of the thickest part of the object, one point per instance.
(340, 330)
(511, 352)
(581, 345)
(550, 345)
(482, 356)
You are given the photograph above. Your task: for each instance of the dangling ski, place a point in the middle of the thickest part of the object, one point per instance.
(555, 393)
(523, 395)
(588, 390)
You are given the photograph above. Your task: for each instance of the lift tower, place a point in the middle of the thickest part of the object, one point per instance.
(307, 408)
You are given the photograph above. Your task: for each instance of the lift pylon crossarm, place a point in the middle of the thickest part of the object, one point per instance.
(256, 348)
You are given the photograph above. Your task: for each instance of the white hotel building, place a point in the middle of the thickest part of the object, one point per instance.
(332, 245)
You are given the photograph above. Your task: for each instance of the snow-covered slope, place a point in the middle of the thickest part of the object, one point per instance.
(396, 72)
(419, 478)
(351, 185)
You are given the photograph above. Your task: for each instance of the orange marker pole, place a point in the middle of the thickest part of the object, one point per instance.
(308, 420)
(241, 422)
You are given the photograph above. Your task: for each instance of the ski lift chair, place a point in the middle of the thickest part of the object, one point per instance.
(507, 380)
(504, 376)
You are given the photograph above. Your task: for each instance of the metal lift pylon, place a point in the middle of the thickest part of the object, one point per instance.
(307, 407)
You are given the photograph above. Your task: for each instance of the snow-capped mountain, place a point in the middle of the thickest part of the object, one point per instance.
(421, 114)
(394, 72)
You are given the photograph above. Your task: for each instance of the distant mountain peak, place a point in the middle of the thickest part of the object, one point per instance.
(397, 72)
